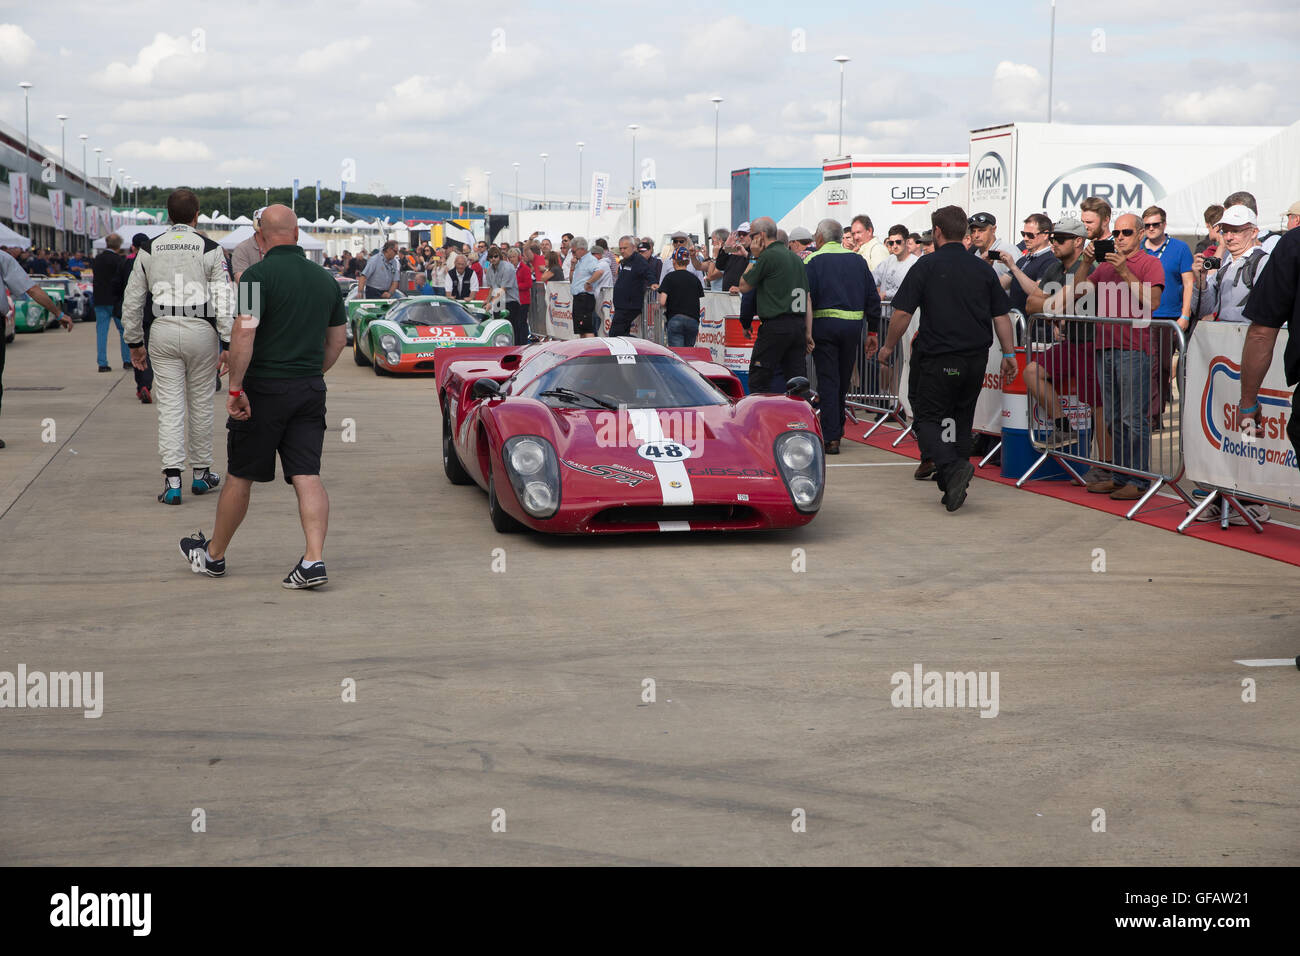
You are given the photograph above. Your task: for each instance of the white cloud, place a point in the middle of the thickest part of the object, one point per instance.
(167, 149)
(16, 47)
(333, 56)
(1222, 104)
(232, 167)
(1019, 90)
(641, 55)
(147, 62)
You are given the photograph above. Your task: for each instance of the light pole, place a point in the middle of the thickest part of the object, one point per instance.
(717, 104)
(518, 224)
(84, 195)
(403, 198)
(98, 150)
(488, 207)
(227, 198)
(544, 155)
(633, 192)
(63, 156)
(451, 194)
(580, 145)
(1051, 62)
(841, 60)
(27, 148)
(121, 174)
(266, 195)
(112, 183)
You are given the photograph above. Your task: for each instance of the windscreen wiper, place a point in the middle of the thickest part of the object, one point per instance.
(573, 394)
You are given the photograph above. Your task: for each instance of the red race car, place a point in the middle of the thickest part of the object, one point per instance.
(609, 435)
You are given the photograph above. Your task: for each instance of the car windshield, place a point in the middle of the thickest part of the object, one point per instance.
(432, 313)
(652, 381)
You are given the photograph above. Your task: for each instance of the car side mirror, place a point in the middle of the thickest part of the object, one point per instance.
(798, 387)
(486, 388)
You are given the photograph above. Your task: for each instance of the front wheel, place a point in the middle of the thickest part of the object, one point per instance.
(501, 521)
(451, 465)
(356, 352)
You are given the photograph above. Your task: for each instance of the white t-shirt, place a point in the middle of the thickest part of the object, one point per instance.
(889, 276)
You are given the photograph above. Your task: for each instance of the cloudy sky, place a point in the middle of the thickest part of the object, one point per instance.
(421, 98)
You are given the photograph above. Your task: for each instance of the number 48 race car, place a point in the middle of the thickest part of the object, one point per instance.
(608, 435)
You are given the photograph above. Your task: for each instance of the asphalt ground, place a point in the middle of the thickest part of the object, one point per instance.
(518, 695)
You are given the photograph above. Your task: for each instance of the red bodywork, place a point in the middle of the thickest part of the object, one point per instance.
(730, 482)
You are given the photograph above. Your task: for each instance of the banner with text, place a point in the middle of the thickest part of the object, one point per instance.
(1216, 449)
(79, 217)
(18, 198)
(56, 209)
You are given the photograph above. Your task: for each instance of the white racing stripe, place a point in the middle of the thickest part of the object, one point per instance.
(647, 427)
(621, 349)
(1258, 661)
(674, 526)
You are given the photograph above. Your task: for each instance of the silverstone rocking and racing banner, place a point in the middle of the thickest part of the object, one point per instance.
(1215, 448)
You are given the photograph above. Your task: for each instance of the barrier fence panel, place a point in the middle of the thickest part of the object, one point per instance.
(1102, 395)
(537, 311)
(1237, 462)
(875, 385)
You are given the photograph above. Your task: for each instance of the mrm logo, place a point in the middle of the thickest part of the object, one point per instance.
(1126, 188)
(1224, 427)
(990, 181)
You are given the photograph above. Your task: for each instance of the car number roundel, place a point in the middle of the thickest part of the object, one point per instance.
(440, 332)
(663, 451)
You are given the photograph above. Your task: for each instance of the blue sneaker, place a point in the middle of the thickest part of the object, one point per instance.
(204, 481)
(195, 551)
(171, 494)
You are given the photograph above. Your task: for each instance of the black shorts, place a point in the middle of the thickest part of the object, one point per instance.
(584, 309)
(288, 417)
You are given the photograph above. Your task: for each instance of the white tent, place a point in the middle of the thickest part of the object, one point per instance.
(204, 219)
(321, 223)
(241, 221)
(1269, 171)
(149, 229)
(308, 243)
(304, 222)
(11, 239)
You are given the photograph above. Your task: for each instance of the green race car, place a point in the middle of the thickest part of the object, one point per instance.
(401, 335)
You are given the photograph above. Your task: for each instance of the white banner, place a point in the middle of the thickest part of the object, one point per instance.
(988, 408)
(56, 209)
(18, 198)
(92, 222)
(79, 217)
(559, 310)
(717, 307)
(1215, 449)
(105, 222)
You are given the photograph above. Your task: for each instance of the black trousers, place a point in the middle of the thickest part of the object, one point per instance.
(943, 405)
(518, 313)
(838, 343)
(621, 324)
(780, 346)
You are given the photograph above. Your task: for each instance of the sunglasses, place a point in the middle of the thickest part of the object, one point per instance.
(1062, 237)
(678, 242)
(1116, 233)
(1153, 225)
(893, 242)
(1029, 235)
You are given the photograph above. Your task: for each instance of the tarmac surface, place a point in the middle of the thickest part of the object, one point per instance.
(518, 696)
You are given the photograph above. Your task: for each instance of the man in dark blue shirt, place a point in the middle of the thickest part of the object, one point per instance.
(629, 288)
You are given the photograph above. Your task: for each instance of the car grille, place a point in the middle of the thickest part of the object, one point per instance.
(727, 516)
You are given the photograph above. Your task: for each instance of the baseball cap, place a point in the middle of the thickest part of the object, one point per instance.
(800, 234)
(257, 218)
(644, 245)
(1293, 209)
(982, 219)
(743, 227)
(1070, 226)
(679, 235)
(1238, 216)
(682, 255)
(927, 237)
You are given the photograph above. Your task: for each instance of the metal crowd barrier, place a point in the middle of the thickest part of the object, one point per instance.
(1019, 332)
(874, 385)
(1125, 416)
(651, 323)
(537, 311)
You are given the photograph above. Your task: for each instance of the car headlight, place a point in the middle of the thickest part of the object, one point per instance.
(527, 457)
(503, 340)
(394, 358)
(802, 464)
(798, 452)
(388, 342)
(534, 472)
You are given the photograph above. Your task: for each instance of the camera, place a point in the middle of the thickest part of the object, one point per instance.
(1211, 263)
(1101, 248)
(992, 256)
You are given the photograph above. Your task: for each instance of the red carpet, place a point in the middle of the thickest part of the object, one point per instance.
(1277, 542)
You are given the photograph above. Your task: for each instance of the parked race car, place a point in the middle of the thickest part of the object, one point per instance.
(610, 435)
(403, 335)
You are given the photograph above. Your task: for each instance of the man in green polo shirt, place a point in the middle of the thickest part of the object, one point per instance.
(288, 332)
(780, 286)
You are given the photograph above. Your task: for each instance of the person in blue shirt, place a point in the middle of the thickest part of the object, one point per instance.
(1175, 301)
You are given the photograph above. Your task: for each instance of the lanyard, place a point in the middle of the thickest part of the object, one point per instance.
(1159, 253)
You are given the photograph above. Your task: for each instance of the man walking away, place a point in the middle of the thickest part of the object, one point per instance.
(180, 279)
(106, 271)
(143, 376)
(780, 284)
(962, 303)
(289, 337)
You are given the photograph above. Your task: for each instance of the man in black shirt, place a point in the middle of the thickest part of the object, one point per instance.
(679, 297)
(629, 288)
(961, 302)
(108, 285)
(1274, 302)
(733, 260)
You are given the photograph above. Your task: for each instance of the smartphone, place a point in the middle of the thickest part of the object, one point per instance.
(992, 256)
(1101, 248)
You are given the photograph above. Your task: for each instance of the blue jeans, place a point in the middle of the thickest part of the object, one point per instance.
(1124, 376)
(103, 318)
(681, 331)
